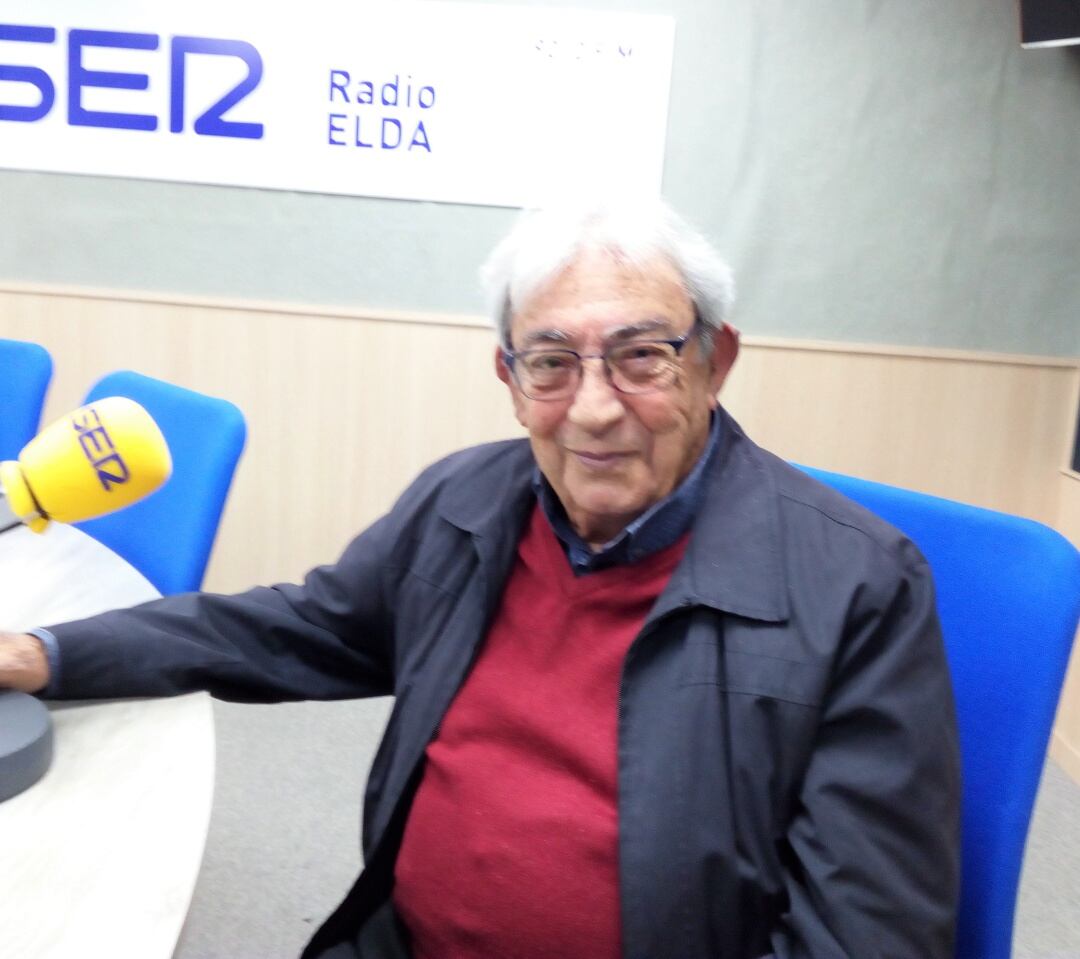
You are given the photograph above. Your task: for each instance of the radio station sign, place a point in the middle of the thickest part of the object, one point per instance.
(457, 102)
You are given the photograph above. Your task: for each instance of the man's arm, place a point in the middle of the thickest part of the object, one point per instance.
(327, 638)
(23, 664)
(330, 637)
(873, 846)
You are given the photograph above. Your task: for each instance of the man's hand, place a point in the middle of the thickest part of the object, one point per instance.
(23, 665)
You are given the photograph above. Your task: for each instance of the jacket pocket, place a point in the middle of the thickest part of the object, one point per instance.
(741, 672)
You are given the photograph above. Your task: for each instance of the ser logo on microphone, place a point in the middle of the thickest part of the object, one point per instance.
(99, 449)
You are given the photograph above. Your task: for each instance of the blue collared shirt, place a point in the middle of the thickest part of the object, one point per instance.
(52, 656)
(655, 529)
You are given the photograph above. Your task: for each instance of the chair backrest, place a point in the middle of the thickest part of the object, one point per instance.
(168, 535)
(25, 371)
(1008, 592)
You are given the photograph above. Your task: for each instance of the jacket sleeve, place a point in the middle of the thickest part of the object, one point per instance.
(872, 849)
(329, 638)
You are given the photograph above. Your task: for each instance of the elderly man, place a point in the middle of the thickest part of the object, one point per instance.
(658, 694)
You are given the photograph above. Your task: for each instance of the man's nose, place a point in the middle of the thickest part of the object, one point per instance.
(597, 404)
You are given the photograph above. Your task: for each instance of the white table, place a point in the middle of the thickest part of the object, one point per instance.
(100, 857)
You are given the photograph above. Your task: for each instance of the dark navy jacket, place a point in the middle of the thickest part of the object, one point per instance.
(788, 765)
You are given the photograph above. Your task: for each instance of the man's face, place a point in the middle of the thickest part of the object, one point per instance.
(609, 455)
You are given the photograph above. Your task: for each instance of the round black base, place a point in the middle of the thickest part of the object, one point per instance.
(26, 742)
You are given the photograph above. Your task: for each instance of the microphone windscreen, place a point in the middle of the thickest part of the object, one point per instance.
(96, 460)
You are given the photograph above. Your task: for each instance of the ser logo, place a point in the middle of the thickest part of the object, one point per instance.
(210, 123)
(98, 447)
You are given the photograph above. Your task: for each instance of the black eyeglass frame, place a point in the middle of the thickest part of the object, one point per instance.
(676, 343)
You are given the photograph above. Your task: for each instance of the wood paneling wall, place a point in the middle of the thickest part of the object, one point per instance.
(1065, 743)
(345, 407)
(981, 428)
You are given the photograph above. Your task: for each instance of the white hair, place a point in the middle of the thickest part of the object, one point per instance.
(544, 242)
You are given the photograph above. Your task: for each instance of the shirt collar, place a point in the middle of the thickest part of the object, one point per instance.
(655, 529)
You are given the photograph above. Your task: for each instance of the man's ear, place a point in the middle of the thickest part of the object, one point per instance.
(725, 350)
(502, 371)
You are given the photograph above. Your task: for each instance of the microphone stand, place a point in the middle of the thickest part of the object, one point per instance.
(9, 519)
(26, 742)
(26, 732)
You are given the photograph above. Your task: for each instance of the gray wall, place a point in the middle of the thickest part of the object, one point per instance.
(896, 173)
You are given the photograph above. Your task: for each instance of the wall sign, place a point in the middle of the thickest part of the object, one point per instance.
(456, 102)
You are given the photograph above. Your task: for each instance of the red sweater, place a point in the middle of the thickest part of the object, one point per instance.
(511, 847)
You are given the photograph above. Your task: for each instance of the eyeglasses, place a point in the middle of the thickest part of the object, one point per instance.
(637, 366)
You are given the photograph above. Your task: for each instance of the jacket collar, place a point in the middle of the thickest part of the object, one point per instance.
(733, 561)
(492, 504)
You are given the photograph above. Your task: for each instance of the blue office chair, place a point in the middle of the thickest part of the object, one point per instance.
(1008, 593)
(25, 371)
(168, 535)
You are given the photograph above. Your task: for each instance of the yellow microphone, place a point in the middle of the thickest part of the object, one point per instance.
(103, 457)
